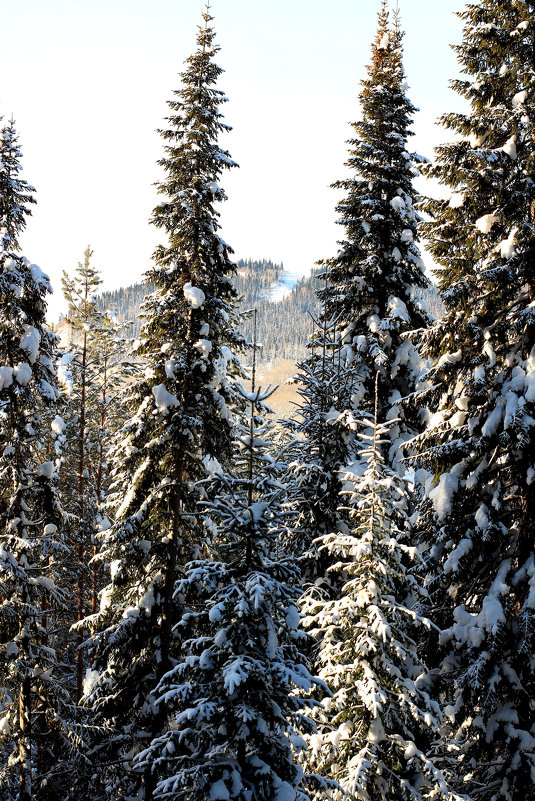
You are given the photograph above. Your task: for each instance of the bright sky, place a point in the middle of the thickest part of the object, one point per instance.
(87, 81)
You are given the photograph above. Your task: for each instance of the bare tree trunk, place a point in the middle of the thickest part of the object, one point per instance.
(94, 572)
(81, 533)
(531, 274)
(25, 711)
(175, 531)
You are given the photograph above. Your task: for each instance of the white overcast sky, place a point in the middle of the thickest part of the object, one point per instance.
(87, 81)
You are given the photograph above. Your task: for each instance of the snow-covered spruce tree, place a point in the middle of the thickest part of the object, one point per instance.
(373, 280)
(376, 731)
(16, 194)
(182, 417)
(322, 426)
(478, 517)
(233, 692)
(33, 728)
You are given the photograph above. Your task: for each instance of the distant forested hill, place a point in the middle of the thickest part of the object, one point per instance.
(283, 326)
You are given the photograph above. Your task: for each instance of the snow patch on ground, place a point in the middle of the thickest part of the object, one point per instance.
(283, 287)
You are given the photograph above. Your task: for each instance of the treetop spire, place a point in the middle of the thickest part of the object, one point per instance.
(16, 194)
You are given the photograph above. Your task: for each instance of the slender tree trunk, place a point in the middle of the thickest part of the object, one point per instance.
(175, 531)
(81, 534)
(248, 546)
(25, 709)
(94, 572)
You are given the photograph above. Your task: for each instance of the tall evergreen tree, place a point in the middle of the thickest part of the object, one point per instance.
(233, 693)
(377, 731)
(371, 298)
(380, 725)
(477, 519)
(182, 417)
(373, 280)
(34, 729)
(16, 194)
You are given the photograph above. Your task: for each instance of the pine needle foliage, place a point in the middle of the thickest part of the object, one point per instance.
(94, 370)
(322, 427)
(16, 194)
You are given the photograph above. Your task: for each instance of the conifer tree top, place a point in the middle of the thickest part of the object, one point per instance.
(15, 193)
(193, 161)
(378, 158)
(373, 282)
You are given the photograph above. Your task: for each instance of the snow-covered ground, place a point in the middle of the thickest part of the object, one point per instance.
(283, 287)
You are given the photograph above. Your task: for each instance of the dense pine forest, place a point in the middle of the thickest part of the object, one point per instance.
(199, 603)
